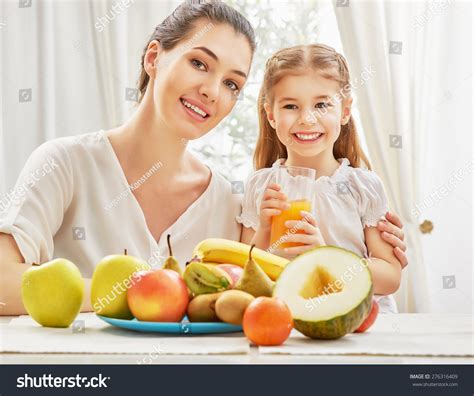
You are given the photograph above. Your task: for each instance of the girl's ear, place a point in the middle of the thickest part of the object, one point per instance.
(270, 115)
(153, 53)
(346, 111)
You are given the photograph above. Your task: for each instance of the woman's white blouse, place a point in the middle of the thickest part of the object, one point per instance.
(343, 204)
(72, 200)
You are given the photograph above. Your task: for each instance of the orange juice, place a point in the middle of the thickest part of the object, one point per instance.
(279, 229)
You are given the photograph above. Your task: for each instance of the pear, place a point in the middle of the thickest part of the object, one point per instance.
(171, 262)
(52, 293)
(254, 280)
(111, 279)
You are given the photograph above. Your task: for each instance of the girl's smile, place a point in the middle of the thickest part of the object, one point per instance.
(307, 137)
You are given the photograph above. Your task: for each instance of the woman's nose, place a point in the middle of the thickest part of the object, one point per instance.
(210, 91)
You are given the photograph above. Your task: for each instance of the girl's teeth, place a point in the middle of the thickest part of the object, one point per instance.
(306, 136)
(195, 108)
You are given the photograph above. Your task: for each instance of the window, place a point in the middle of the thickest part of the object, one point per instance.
(278, 24)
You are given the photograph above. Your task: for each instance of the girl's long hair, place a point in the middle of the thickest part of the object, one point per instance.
(289, 60)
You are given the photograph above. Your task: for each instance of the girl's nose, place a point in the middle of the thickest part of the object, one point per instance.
(307, 118)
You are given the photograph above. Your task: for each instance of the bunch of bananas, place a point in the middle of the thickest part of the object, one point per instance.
(220, 251)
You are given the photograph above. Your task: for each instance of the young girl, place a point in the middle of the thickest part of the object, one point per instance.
(305, 121)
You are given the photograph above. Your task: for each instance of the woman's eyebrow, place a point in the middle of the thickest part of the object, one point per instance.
(214, 56)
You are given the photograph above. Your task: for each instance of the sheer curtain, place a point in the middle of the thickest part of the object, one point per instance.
(408, 45)
(67, 67)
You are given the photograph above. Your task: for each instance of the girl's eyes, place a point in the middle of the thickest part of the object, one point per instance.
(202, 66)
(321, 105)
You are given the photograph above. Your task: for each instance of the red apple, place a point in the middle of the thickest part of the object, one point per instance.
(234, 271)
(158, 296)
(370, 320)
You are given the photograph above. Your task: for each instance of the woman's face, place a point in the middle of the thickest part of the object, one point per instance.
(307, 114)
(197, 82)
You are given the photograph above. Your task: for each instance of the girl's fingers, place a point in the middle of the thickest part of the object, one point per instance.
(271, 212)
(301, 225)
(269, 194)
(401, 256)
(301, 238)
(308, 216)
(295, 251)
(391, 229)
(275, 204)
(274, 186)
(394, 241)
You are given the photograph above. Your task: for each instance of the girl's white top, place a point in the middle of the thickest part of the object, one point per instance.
(72, 200)
(343, 204)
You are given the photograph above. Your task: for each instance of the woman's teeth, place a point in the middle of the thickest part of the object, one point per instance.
(195, 108)
(308, 136)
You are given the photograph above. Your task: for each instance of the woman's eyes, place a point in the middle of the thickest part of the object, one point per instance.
(231, 85)
(198, 64)
(202, 66)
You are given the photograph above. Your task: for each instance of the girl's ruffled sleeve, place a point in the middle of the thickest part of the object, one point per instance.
(254, 189)
(371, 197)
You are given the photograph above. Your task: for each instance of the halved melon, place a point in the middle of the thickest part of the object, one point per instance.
(328, 291)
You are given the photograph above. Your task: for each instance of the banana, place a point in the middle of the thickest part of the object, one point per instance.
(204, 278)
(217, 250)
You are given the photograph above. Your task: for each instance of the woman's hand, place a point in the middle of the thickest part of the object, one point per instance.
(273, 202)
(310, 239)
(392, 233)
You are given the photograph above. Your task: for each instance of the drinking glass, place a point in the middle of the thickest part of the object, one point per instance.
(297, 183)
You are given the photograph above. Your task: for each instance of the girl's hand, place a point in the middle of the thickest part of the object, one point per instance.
(392, 233)
(311, 239)
(273, 202)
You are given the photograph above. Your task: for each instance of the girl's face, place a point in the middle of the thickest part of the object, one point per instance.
(306, 113)
(198, 81)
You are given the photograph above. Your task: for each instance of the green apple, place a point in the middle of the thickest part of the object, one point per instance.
(111, 279)
(52, 293)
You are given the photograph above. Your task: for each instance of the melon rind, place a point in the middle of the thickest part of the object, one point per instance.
(337, 326)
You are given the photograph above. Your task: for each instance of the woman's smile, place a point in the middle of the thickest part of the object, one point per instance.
(195, 110)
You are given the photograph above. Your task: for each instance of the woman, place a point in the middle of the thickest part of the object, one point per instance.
(192, 69)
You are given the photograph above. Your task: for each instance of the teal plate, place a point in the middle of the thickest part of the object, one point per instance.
(184, 327)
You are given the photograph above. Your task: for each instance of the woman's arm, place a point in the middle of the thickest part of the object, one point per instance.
(392, 232)
(12, 267)
(385, 268)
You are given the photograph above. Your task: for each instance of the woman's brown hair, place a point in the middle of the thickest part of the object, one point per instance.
(317, 57)
(177, 26)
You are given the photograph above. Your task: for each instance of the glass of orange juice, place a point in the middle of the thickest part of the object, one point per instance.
(296, 182)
